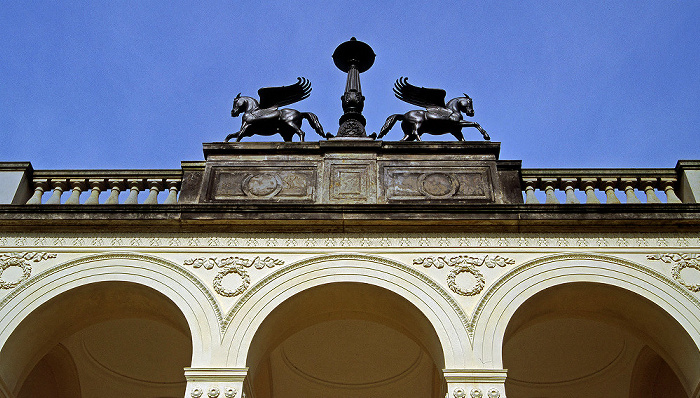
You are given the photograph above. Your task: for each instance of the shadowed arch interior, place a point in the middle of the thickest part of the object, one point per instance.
(104, 322)
(587, 338)
(349, 326)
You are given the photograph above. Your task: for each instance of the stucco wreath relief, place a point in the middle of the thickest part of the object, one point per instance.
(20, 260)
(462, 264)
(232, 265)
(682, 261)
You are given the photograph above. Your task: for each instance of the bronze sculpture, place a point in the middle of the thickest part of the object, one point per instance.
(264, 117)
(437, 118)
(353, 57)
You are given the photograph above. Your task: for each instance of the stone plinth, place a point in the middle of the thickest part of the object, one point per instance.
(355, 172)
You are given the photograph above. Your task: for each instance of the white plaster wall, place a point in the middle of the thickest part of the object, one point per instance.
(470, 327)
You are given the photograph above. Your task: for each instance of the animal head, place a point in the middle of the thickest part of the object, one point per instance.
(466, 106)
(237, 106)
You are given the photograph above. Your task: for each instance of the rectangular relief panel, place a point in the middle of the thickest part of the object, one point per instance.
(271, 183)
(350, 181)
(449, 183)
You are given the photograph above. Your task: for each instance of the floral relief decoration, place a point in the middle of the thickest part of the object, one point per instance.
(232, 265)
(21, 260)
(681, 261)
(464, 264)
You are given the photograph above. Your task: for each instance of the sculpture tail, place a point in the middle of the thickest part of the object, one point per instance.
(315, 124)
(390, 121)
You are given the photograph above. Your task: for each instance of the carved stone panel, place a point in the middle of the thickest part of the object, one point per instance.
(276, 183)
(351, 182)
(468, 183)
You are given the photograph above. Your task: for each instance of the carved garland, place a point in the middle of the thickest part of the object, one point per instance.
(232, 265)
(683, 261)
(461, 264)
(21, 260)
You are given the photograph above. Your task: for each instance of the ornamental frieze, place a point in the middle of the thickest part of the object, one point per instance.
(464, 264)
(626, 240)
(232, 265)
(20, 260)
(681, 261)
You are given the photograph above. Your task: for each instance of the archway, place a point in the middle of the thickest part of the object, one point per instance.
(345, 339)
(582, 339)
(102, 339)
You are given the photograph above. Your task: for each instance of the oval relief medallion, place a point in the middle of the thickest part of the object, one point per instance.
(263, 185)
(437, 185)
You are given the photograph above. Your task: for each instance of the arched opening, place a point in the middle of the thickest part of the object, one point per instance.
(345, 339)
(106, 339)
(590, 339)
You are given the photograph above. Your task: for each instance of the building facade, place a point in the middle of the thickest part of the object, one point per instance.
(350, 268)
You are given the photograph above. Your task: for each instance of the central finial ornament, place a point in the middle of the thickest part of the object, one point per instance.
(353, 57)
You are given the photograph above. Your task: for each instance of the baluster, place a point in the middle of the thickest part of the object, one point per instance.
(58, 187)
(589, 186)
(96, 187)
(155, 186)
(549, 184)
(530, 197)
(668, 185)
(172, 195)
(135, 188)
(609, 186)
(648, 185)
(629, 184)
(569, 184)
(39, 187)
(116, 187)
(77, 188)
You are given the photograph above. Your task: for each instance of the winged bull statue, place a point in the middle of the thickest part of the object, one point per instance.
(265, 117)
(437, 118)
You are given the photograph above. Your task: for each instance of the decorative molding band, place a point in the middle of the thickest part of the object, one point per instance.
(215, 374)
(346, 240)
(683, 261)
(462, 264)
(475, 375)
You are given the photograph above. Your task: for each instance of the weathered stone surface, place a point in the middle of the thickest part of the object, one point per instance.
(355, 172)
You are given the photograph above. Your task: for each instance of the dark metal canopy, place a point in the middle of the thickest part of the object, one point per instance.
(353, 52)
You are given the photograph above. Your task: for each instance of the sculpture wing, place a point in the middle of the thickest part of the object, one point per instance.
(420, 96)
(284, 95)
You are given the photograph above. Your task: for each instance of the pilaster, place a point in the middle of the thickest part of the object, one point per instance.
(475, 383)
(215, 382)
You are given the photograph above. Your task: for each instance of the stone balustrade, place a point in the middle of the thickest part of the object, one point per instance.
(322, 173)
(73, 183)
(595, 186)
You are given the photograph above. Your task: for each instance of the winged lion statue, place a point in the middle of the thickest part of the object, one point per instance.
(265, 117)
(437, 118)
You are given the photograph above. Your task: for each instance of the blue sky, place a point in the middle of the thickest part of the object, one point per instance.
(142, 84)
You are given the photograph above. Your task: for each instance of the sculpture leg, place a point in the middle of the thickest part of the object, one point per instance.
(416, 136)
(458, 135)
(478, 127)
(297, 131)
(410, 131)
(242, 133)
(232, 135)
